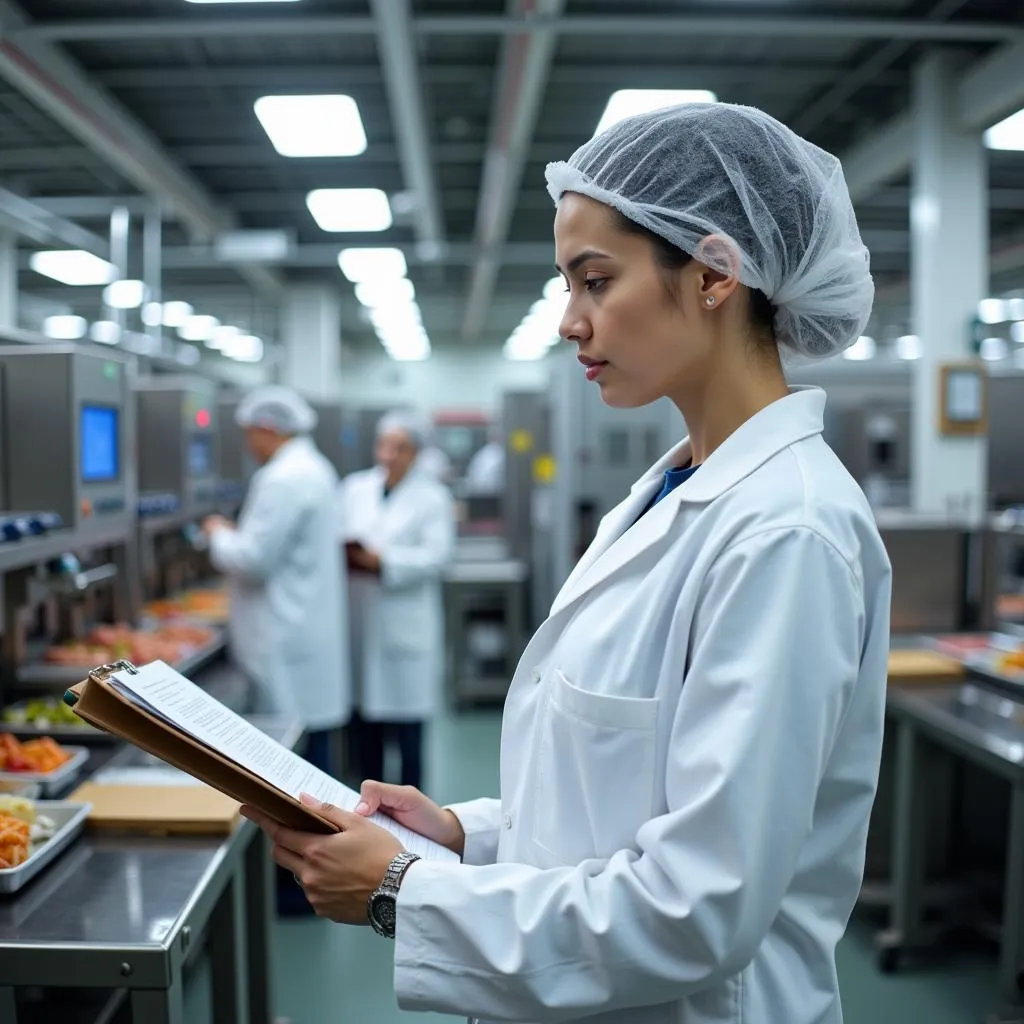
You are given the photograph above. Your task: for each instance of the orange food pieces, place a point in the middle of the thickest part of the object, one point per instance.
(14, 841)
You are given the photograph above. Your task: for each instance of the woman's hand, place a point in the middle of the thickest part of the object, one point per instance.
(409, 807)
(338, 873)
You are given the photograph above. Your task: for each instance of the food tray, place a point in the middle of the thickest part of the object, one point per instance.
(64, 734)
(59, 778)
(41, 675)
(70, 820)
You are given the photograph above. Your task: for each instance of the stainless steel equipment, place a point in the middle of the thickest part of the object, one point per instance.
(178, 484)
(873, 442)
(177, 429)
(357, 434)
(67, 425)
(234, 464)
(1006, 439)
(1002, 604)
(329, 434)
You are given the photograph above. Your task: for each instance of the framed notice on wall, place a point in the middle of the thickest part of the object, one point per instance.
(963, 399)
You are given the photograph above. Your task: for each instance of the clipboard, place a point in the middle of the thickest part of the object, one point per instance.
(100, 704)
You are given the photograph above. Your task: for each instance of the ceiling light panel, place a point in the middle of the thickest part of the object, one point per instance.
(1008, 134)
(629, 102)
(350, 209)
(312, 126)
(360, 265)
(73, 267)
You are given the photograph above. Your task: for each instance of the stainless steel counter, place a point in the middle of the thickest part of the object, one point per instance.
(130, 912)
(932, 724)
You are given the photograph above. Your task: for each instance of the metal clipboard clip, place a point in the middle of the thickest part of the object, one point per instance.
(101, 674)
(104, 672)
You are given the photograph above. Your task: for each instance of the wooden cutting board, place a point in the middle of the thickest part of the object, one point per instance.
(158, 810)
(922, 666)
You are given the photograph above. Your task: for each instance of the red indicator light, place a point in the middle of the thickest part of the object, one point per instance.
(203, 418)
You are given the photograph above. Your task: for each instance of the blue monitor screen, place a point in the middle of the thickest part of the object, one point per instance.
(99, 444)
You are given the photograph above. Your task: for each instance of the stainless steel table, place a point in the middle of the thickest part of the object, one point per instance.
(986, 728)
(128, 913)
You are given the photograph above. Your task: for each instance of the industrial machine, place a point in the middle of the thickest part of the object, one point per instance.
(329, 433)
(177, 464)
(234, 464)
(357, 436)
(68, 482)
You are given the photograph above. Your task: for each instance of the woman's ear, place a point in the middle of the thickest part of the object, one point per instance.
(720, 275)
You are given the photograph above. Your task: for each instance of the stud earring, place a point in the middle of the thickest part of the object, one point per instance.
(710, 300)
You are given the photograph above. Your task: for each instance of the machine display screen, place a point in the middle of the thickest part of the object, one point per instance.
(99, 444)
(200, 455)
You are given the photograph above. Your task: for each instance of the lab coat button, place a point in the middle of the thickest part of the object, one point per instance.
(508, 820)
(536, 675)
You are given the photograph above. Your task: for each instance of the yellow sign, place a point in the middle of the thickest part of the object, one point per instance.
(521, 441)
(544, 469)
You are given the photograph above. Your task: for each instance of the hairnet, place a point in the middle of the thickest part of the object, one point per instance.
(410, 423)
(780, 204)
(276, 408)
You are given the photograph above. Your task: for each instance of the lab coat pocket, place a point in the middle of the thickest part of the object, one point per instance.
(595, 771)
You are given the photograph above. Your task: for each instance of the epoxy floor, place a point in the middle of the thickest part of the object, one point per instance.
(325, 974)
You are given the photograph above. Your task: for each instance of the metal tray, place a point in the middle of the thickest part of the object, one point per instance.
(65, 735)
(58, 779)
(40, 675)
(70, 820)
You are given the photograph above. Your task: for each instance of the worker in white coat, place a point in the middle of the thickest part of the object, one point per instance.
(398, 525)
(285, 570)
(691, 741)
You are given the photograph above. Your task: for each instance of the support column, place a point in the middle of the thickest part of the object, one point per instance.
(8, 280)
(949, 277)
(312, 342)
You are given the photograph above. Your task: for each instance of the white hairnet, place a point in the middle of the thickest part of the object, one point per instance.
(276, 408)
(410, 423)
(780, 204)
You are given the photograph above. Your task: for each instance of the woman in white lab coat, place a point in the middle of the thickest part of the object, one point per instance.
(691, 741)
(398, 525)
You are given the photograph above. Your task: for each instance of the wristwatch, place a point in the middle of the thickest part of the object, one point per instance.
(380, 907)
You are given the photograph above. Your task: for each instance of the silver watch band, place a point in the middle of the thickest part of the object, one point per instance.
(397, 869)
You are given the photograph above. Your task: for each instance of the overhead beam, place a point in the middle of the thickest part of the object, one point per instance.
(522, 79)
(52, 80)
(988, 90)
(409, 117)
(766, 26)
(32, 221)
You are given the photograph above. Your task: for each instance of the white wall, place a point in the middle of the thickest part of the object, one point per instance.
(469, 381)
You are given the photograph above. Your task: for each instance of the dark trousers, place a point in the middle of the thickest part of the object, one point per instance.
(291, 900)
(369, 740)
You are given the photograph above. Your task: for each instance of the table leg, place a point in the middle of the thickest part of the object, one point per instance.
(225, 953)
(1011, 960)
(909, 857)
(158, 1006)
(8, 1006)
(259, 909)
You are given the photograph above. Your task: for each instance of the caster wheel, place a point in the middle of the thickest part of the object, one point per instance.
(889, 961)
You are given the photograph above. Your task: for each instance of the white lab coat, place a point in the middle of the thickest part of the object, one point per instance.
(689, 757)
(287, 588)
(397, 619)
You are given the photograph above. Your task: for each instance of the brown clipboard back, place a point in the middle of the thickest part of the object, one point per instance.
(97, 702)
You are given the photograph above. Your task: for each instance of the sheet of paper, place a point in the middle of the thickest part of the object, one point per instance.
(171, 696)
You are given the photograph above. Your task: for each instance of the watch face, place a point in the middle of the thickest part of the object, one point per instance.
(383, 910)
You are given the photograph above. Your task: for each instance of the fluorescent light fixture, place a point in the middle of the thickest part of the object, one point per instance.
(862, 349)
(187, 355)
(220, 337)
(1015, 308)
(350, 209)
(105, 332)
(360, 265)
(1017, 333)
(73, 267)
(555, 289)
(374, 294)
(628, 102)
(245, 348)
(198, 328)
(125, 294)
(65, 328)
(399, 317)
(176, 313)
(908, 347)
(1007, 134)
(994, 349)
(241, 1)
(152, 314)
(310, 126)
(992, 311)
